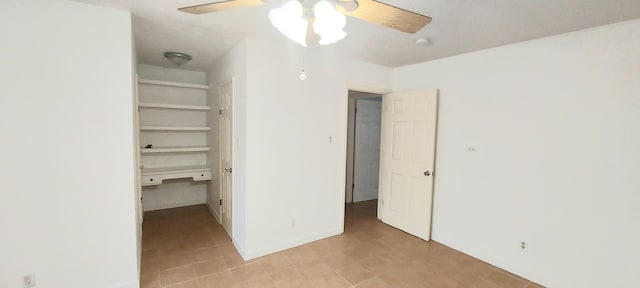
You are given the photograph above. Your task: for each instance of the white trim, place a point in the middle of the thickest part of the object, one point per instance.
(351, 121)
(252, 254)
(240, 250)
(214, 212)
(148, 207)
(130, 284)
(367, 89)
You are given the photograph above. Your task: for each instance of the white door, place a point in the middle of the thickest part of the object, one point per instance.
(138, 192)
(407, 160)
(366, 159)
(138, 161)
(226, 145)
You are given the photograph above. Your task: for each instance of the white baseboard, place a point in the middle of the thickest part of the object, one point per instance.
(252, 254)
(151, 207)
(130, 284)
(449, 242)
(240, 250)
(495, 261)
(214, 212)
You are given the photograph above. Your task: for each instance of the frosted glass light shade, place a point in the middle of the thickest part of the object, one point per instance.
(289, 20)
(329, 23)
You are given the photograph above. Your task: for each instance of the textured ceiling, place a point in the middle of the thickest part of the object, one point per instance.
(458, 26)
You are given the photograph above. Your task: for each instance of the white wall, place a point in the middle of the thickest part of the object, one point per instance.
(555, 124)
(182, 192)
(231, 66)
(295, 175)
(67, 208)
(288, 178)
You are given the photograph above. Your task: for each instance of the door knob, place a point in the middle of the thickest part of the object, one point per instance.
(427, 173)
(228, 170)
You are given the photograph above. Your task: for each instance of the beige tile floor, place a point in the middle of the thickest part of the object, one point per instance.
(186, 248)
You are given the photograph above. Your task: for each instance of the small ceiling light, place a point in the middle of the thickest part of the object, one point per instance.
(177, 58)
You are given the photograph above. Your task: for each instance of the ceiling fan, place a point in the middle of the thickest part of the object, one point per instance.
(313, 11)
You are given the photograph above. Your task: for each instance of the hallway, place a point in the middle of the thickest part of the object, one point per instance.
(186, 248)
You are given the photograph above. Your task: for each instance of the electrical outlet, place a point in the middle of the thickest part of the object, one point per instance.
(523, 246)
(29, 281)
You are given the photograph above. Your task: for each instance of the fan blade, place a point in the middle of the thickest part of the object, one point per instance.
(220, 6)
(389, 16)
(346, 5)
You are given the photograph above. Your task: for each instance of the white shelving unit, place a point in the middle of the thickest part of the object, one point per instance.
(173, 84)
(163, 112)
(173, 128)
(155, 176)
(173, 106)
(174, 150)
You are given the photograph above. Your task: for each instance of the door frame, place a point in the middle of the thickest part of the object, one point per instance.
(351, 139)
(350, 115)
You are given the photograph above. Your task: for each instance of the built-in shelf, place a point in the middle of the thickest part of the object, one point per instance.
(178, 169)
(173, 84)
(173, 128)
(193, 151)
(173, 150)
(173, 106)
(155, 176)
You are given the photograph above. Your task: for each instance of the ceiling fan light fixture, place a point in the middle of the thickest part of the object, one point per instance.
(289, 20)
(329, 23)
(177, 58)
(293, 20)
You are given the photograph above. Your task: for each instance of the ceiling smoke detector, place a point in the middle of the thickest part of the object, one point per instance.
(177, 58)
(422, 41)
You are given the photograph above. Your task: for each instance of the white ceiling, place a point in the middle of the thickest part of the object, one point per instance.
(458, 26)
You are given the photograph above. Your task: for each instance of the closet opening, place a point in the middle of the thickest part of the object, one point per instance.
(176, 119)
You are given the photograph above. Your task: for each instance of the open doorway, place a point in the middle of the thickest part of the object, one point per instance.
(402, 162)
(363, 152)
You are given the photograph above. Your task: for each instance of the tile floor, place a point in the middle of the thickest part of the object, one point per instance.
(186, 248)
